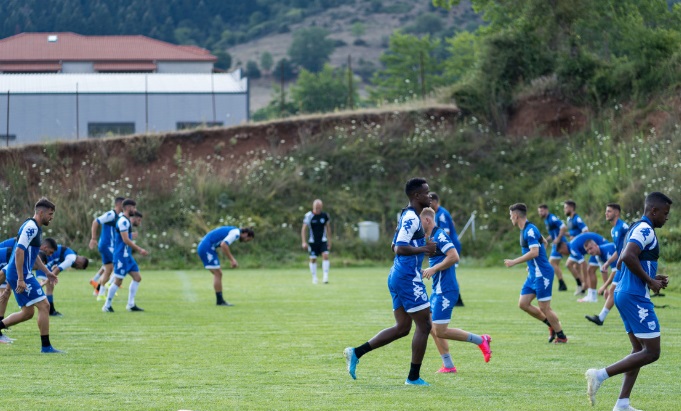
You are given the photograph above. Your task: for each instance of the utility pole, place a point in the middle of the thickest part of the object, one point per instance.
(423, 77)
(283, 96)
(351, 103)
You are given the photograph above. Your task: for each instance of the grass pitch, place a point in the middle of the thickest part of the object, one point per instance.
(280, 347)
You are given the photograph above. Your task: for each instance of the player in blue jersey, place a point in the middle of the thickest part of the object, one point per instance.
(410, 300)
(577, 253)
(575, 226)
(124, 262)
(27, 291)
(316, 225)
(444, 220)
(618, 232)
(559, 244)
(638, 263)
(59, 259)
(445, 289)
(9, 243)
(222, 238)
(5, 291)
(539, 282)
(105, 245)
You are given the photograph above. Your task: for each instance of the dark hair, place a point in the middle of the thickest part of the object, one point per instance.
(413, 185)
(85, 263)
(128, 202)
(45, 203)
(544, 206)
(138, 214)
(51, 242)
(433, 196)
(657, 199)
(249, 231)
(571, 204)
(615, 206)
(118, 200)
(519, 208)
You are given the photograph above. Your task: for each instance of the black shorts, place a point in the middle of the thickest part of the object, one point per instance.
(317, 249)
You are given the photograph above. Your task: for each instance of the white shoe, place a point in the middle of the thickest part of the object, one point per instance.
(5, 339)
(627, 408)
(592, 384)
(578, 290)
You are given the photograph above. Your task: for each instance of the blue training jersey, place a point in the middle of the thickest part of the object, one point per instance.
(409, 233)
(577, 243)
(29, 239)
(108, 233)
(553, 226)
(444, 220)
(444, 280)
(607, 251)
(530, 237)
(123, 227)
(8, 243)
(618, 232)
(214, 238)
(643, 235)
(63, 257)
(5, 254)
(576, 225)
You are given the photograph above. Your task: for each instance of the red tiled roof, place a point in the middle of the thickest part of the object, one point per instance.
(30, 67)
(35, 47)
(125, 66)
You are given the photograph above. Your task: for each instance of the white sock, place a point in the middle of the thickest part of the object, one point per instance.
(325, 269)
(112, 294)
(622, 403)
(313, 269)
(96, 277)
(602, 375)
(131, 295)
(102, 290)
(603, 314)
(592, 294)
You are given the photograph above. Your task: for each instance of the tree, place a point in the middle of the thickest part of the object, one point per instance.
(284, 68)
(311, 48)
(266, 61)
(406, 58)
(321, 92)
(252, 70)
(357, 29)
(224, 60)
(461, 60)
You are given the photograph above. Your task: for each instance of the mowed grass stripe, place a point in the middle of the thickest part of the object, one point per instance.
(280, 347)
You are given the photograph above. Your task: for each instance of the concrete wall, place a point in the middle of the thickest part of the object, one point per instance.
(36, 118)
(183, 67)
(77, 67)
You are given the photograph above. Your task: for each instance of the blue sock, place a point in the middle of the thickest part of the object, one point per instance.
(50, 299)
(447, 360)
(475, 339)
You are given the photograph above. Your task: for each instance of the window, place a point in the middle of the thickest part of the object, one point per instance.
(187, 125)
(109, 129)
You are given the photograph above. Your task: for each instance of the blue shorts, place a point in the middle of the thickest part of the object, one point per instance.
(124, 266)
(407, 291)
(106, 253)
(638, 315)
(31, 295)
(209, 257)
(555, 254)
(539, 286)
(441, 306)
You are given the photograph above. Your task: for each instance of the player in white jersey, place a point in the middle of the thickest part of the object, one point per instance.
(638, 263)
(105, 244)
(316, 222)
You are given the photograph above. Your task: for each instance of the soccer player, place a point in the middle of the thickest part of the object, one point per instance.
(27, 291)
(577, 253)
(222, 238)
(319, 241)
(575, 226)
(124, 262)
(638, 263)
(618, 232)
(57, 260)
(553, 226)
(444, 219)
(539, 282)
(606, 257)
(105, 245)
(445, 289)
(5, 292)
(410, 300)
(9, 243)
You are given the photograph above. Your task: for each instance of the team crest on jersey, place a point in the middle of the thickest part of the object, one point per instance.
(321, 220)
(419, 292)
(652, 325)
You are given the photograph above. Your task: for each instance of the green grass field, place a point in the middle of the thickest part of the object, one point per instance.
(281, 347)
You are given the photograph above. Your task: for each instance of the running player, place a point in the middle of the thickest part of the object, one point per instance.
(558, 243)
(59, 259)
(410, 300)
(577, 253)
(574, 227)
(539, 282)
(124, 262)
(618, 232)
(444, 219)
(105, 245)
(222, 238)
(319, 241)
(445, 290)
(638, 263)
(27, 291)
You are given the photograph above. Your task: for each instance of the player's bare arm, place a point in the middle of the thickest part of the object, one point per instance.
(131, 244)
(93, 238)
(225, 249)
(630, 258)
(533, 253)
(451, 258)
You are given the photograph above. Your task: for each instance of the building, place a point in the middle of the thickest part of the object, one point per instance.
(88, 87)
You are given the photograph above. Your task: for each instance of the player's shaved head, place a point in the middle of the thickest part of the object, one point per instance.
(414, 185)
(45, 204)
(519, 208)
(571, 203)
(657, 200)
(544, 206)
